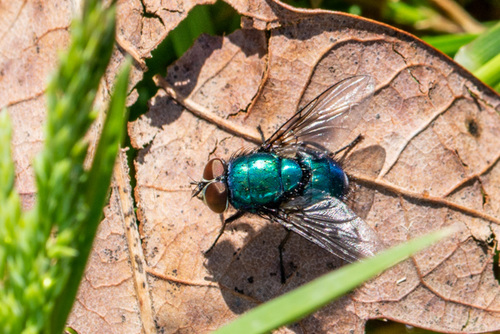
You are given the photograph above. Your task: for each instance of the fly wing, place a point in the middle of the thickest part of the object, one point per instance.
(329, 118)
(330, 224)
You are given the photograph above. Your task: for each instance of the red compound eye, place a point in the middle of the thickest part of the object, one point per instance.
(215, 196)
(214, 168)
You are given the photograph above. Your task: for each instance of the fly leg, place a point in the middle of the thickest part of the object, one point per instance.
(348, 147)
(225, 222)
(280, 248)
(261, 134)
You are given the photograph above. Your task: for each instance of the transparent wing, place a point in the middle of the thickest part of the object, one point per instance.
(329, 118)
(330, 224)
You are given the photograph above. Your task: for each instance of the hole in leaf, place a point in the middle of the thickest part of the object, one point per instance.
(217, 19)
(473, 127)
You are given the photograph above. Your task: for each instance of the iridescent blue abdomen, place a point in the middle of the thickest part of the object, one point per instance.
(326, 177)
(261, 179)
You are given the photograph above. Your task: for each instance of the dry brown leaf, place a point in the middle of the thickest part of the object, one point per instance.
(432, 126)
(31, 35)
(114, 289)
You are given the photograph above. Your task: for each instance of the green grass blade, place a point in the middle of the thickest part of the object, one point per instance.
(449, 44)
(107, 149)
(297, 304)
(10, 210)
(489, 73)
(497, 87)
(95, 189)
(7, 173)
(480, 51)
(198, 21)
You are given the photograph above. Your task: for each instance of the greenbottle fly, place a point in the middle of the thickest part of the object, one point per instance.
(293, 179)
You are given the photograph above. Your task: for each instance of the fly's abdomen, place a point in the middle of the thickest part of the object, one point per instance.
(326, 177)
(261, 179)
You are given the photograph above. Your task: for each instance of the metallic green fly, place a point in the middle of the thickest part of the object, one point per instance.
(293, 179)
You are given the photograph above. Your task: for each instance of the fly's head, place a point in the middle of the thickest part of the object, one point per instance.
(212, 188)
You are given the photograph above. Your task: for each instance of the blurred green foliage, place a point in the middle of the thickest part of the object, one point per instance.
(43, 251)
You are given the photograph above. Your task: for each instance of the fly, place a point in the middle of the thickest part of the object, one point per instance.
(293, 179)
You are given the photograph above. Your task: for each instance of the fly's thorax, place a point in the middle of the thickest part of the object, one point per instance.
(327, 176)
(291, 175)
(261, 179)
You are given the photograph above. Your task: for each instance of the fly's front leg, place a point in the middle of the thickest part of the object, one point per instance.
(280, 248)
(261, 134)
(225, 222)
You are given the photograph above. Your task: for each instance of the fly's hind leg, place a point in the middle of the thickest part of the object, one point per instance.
(281, 248)
(348, 147)
(225, 222)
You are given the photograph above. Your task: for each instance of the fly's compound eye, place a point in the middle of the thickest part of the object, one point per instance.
(214, 169)
(215, 196)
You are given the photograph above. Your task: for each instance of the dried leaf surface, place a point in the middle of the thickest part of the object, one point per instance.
(31, 36)
(429, 159)
(114, 291)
